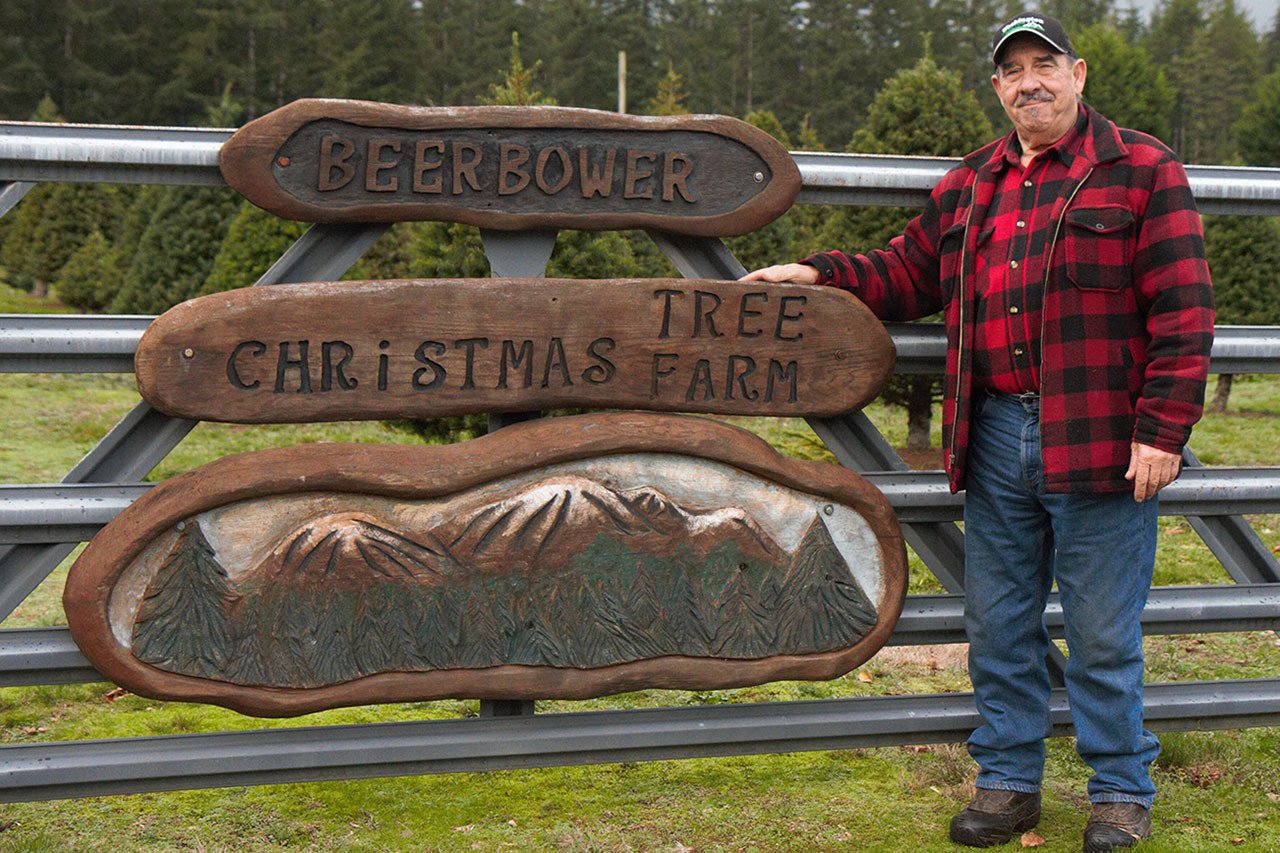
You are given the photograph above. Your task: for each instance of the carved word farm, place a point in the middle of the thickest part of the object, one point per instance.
(402, 349)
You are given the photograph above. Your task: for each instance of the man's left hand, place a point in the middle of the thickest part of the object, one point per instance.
(1151, 469)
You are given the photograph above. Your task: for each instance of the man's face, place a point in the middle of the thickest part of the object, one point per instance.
(1038, 88)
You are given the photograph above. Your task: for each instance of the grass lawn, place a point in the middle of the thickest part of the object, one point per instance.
(1219, 790)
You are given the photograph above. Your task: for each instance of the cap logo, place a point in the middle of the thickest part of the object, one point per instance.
(1037, 23)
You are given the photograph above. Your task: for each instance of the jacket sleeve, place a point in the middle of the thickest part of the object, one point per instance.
(900, 282)
(1171, 280)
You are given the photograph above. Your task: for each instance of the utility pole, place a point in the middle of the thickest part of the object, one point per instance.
(622, 81)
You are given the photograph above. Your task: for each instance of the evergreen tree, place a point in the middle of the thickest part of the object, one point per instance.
(1213, 79)
(809, 219)
(239, 46)
(124, 246)
(1244, 257)
(182, 625)
(1123, 83)
(370, 49)
(255, 240)
(1076, 15)
(960, 32)
(390, 257)
(52, 222)
(90, 272)
(446, 250)
(585, 254)
(1174, 25)
(669, 99)
(1258, 130)
(176, 251)
(463, 41)
(922, 110)
(1271, 45)
(519, 85)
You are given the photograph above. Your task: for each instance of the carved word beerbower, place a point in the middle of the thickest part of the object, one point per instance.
(427, 166)
(501, 167)
(405, 349)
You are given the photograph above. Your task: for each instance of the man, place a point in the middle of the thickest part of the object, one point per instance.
(1068, 260)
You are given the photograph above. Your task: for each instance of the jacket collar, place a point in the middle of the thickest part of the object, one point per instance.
(1101, 143)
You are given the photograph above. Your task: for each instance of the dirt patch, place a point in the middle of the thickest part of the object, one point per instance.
(944, 656)
(928, 459)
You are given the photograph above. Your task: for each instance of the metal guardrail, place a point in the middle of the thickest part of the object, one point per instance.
(104, 343)
(323, 753)
(31, 151)
(43, 514)
(40, 523)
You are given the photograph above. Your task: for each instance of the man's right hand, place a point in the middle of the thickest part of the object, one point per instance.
(784, 274)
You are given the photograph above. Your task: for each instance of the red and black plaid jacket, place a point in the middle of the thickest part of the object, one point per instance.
(1127, 319)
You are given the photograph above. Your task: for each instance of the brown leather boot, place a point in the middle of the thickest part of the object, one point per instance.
(994, 817)
(1114, 826)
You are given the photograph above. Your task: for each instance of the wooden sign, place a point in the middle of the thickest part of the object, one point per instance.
(511, 168)
(566, 558)
(401, 349)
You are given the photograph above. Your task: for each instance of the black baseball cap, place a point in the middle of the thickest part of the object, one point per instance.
(1043, 27)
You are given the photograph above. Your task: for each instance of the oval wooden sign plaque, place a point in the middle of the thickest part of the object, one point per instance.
(568, 558)
(320, 160)
(400, 349)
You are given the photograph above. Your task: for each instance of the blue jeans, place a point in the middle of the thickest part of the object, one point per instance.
(1101, 550)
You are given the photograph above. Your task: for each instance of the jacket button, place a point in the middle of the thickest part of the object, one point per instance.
(1013, 264)
(1013, 309)
(1098, 225)
(1017, 350)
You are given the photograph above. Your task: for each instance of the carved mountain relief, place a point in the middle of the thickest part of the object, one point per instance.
(569, 558)
(567, 573)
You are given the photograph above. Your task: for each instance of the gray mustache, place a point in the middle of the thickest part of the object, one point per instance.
(1034, 97)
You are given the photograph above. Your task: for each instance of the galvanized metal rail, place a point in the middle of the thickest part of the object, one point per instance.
(39, 524)
(269, 756)
(163, 155)
(74, 512)
(104, 343)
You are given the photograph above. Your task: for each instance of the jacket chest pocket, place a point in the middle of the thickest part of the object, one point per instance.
(1098, 247)
(950, 254)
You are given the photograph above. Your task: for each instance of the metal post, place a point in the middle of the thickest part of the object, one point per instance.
(515, 254)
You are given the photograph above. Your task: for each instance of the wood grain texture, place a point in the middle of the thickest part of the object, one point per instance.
(320, 160)
(362, 476)
(404, 349)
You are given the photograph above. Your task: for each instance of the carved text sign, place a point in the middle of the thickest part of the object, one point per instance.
(511, 167)
(399, 349)
(558, 559)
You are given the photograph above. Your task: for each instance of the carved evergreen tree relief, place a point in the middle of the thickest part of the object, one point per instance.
(182, 624)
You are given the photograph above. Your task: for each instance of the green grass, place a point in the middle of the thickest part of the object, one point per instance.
(15, 301)
(1215, 786)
